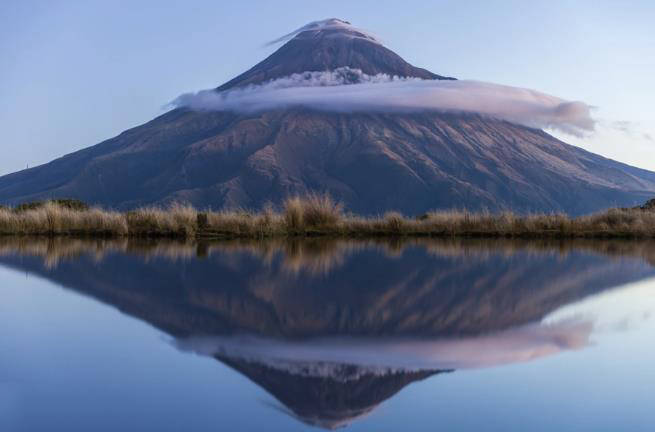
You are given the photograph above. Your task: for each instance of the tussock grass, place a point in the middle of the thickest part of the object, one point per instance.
(317, 215)
(178, 220)
(68, 203)
(316, 211)
(53, 219)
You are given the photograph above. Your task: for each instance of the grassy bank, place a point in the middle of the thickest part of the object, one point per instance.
(316, 215)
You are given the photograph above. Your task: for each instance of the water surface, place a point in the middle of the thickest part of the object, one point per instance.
(295, 335)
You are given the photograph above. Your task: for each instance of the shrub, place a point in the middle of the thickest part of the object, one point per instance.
(394, 222)
(649, 205)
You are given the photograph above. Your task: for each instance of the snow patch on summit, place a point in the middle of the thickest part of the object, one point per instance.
(340, 76)
(314, 28)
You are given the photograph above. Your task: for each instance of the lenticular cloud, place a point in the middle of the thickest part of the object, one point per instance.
(350, 90)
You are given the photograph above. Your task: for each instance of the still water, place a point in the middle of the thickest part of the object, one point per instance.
(298, 335)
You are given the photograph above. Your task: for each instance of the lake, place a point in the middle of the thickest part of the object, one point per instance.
(292, 335)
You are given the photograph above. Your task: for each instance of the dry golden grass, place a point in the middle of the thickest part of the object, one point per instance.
(241, 223)
(178, 220)
(318, 215)
(315, 211)
(52, 219)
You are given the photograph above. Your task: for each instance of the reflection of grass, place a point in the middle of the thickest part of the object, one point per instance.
(315, 255)
(316, 215)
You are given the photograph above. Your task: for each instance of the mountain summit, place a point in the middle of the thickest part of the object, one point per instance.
(325, 46)
(374, 160)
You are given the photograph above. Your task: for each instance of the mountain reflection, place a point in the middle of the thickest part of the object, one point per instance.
(332, 328)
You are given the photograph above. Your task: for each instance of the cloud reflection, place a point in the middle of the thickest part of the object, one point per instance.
(383, 355)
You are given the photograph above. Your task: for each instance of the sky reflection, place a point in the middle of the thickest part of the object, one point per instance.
(327, 343)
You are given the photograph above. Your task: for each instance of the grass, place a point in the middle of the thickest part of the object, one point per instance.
(69, 203)
(314, 215)
(51, 218)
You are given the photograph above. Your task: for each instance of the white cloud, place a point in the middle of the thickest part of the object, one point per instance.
(350, 90)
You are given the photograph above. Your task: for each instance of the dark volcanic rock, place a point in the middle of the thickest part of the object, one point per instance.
(649, 205)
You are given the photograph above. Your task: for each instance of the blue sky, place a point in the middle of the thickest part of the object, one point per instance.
(77, 72)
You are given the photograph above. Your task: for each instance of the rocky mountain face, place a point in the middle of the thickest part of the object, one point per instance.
(372, 161)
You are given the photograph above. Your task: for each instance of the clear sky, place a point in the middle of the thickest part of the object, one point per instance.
(73, 73)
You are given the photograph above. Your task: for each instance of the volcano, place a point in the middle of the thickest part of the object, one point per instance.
(372, 161)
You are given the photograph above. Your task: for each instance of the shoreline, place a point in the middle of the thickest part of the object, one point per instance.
(303, 250)
(314, 216)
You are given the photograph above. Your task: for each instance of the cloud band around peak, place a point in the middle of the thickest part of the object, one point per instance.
(350, 90)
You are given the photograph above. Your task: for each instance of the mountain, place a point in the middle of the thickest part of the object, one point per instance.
(372, 161)
(328, 46)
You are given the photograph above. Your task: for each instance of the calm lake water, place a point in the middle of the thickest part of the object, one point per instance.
(297, 335)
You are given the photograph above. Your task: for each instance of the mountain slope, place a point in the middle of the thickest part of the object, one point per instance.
(373, 162)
